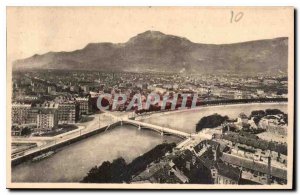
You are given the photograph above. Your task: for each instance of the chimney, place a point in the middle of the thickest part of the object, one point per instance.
(188, 165)
(217, 152)
(269, 171)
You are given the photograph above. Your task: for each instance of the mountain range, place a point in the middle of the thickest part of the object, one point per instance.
(153, 51)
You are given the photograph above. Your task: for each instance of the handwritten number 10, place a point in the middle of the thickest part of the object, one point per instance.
(236, 17)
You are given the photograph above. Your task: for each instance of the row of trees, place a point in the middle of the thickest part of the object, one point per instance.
(24, 131)
(216, 120)
(212, 102)
(259, 114)
(189, 103)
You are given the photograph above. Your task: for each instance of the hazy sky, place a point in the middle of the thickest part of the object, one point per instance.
(32, 30)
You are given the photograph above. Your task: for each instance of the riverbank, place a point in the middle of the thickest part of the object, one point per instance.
(44, 143)
(58, 144)
(167, 112)
(186, 120)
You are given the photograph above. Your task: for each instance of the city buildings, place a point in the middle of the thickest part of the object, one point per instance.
(68, 112)
(20, 113)
(84, 105)
(47, 118)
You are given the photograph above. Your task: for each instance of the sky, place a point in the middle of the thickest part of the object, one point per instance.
(38, 30)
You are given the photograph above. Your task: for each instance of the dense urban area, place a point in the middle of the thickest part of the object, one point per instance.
(61, 106)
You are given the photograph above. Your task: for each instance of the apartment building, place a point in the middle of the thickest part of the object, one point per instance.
(68, 112)
(20, 113)
(47, 116)
(84, 105)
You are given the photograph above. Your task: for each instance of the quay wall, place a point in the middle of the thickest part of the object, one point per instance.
(30, 156)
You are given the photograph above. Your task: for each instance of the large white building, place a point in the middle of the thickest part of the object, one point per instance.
(68, 112)
(47, 116)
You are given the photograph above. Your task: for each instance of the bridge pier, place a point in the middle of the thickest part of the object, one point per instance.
(139, 128)
(121, 122)
(162, 133)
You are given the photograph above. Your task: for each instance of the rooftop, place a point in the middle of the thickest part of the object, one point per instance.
(253, 165)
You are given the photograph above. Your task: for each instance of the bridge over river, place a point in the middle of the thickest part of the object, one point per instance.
(127, 118)
(159, 129)
(66, 140)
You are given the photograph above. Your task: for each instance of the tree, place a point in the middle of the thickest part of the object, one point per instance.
(273, 111)
(257, 113)
(285, 118)
(25, 131)
(210, 121)
(107, 172)
(118, 171)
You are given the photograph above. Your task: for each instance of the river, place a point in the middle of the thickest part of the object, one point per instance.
(186, 120)
(72, 162)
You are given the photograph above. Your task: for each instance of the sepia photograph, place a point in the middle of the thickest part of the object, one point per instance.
(150, 97)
